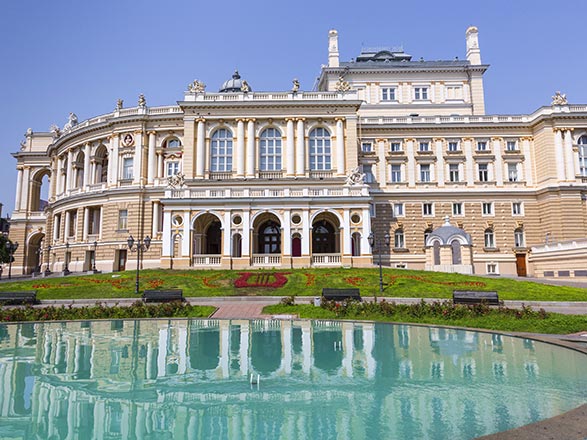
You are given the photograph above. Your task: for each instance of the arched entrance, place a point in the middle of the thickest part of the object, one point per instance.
(207, 240)
(267, 240)
(39, 190)
(325, 239)
(35, 255)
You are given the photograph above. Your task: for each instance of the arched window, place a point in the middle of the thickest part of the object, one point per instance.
(519, 237)
(221, 151)
(398, 239)
(436, 250)
(456, 252)
(79, 169)
(214, 238)
(270, 150)
(323, 238)
(489, 238)
(101, 165)
(583, 155)
(320, 149)
(172, 143)
(237, 245)
(269, 238)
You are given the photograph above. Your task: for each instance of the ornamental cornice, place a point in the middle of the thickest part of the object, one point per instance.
(468, 139)
(526, 138)
(340, 119)
(203, 120)
(562, 129)
(152, 132)
(378, 140)
(438, 139)
(410, 140)
(496, 139)
(301, 119)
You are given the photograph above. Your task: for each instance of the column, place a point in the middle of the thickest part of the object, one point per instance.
(100, 230)
(497, 143)
(26, 184)
(87, 173)
(56, 225)
(167, 250)
(365, 248)
(340, 168)
(138, 158)
(348, 345)
(569, 159)
(162, 355)
(240, 147)
(113, 160)
(151, 158)
(18, 190)
(67, 225)
(411, 165)
(201, 148)
(182, 347)
(440, 166)
(185, 242)
(382, 164)
(224, 348)
(368, 344)
(290, 147)
(244, 348)
(528, 174)
(86, 223)
(226, 234)
(346, 232)
(558, 154)
(306, 236)
(250, 147)
(300, 149)
(286, 346)
(286, 233)
(246, 238)
(469, 162)
(69, 170)
(155, 223)
(306, 346)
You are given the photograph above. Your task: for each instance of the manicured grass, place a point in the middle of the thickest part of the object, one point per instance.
(494, 319)
(300, 282)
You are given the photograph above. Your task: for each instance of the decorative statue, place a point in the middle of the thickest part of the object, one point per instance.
(55, 130)
(355, 177)
(22, 145)
(71, 122)
(176, 181)
(559, 99)
(197, 87)
(142, 101)
(342, 85)
(119, 104)
(245, 87)
(296, 85)
(29, 132)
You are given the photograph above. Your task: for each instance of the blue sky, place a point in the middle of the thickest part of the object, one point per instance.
(66, 56)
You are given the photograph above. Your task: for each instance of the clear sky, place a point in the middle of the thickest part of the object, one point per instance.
(64, 56)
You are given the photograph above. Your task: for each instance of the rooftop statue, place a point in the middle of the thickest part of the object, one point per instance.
(245, 87)
(559, 99)
(197, 86)
(55, 130)
(71, 122)
(29, 132)
(142, 101)
(296, 85)
(342, 85)
(119, 104)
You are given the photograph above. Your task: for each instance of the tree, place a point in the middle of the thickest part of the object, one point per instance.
(4, 256)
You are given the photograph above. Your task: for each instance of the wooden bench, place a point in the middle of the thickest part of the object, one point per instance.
(163, 295)
(475, 297)
(341, 294)
(22, 297)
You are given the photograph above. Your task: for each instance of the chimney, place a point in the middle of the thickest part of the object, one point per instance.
(333, 48)
(473, 51)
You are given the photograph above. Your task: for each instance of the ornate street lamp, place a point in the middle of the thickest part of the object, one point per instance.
(94, 259)
(48, 271)
(11, 248)
(374, 242)
(140, 246)
(66, 259)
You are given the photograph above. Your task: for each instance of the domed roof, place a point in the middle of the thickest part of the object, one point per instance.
(447, 232)
(235, 84)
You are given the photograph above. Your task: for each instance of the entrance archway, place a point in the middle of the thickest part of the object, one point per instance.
(34, 253)
(325, 234)
(207, 235)
(267, 229)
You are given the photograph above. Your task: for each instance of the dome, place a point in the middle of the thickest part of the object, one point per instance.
(447, 233)
(234, 84)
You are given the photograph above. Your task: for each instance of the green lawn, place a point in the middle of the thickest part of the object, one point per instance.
(308, 282)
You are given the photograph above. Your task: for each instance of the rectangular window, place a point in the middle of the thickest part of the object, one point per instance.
(72, 223)
(519, 239)
(492, 268)
(517, 208)
(123, 220)
(424, 146)
(489, 239)
(396, 173)
(427, 209)
(127, 168)
(457, 208)
(366, 147)
(398, 209)
(424, 173)
(453, 172)
(454, 92)
(453, 146)
(368, 172)
(420, 93)
(388, 94)
(512, 172)
(172, 168)
(511, 146)
(395, 146)
(487, 208)
(398, 241)
(57, 228)
(482, 146)
(483, 173)
(94, 221)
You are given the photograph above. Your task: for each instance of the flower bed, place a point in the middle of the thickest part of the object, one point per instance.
(273, 280)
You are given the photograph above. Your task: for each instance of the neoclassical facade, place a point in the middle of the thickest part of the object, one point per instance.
(246, 179)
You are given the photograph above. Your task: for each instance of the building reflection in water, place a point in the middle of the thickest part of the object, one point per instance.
(319, 379)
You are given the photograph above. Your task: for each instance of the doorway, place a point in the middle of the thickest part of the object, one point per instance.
(521, 265)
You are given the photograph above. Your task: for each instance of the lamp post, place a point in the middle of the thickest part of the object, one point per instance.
(11, 248)
(374, 242)
(94, 259)
(48, 271)
(66, 259)
(39, 267)
(140, 246)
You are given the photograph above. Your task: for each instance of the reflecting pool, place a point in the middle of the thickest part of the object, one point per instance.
(191, 379)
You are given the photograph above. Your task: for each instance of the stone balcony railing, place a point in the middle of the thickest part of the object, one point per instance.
(227, 193)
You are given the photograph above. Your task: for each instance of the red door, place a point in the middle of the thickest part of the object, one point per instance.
(296, 247)
(521, 264)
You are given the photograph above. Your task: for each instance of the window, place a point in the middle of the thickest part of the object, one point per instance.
(123, 219)
(94, 220)
(420, 93)
(483, 173)
(72, 223)
(427, 209)
(425, 173)
(492, 268)
(172, 143)
(512, 172)
(487, 208)
(396, 173)
(221, 151)
(366, 147)
(457, 208)
(319, 149)
(454, 92)
(453, 172)
(388, 94)
(519, 237)
(270, 150)
(57, 228)
(489, 238)
(172, 168)
(127, 168)
(368, 172)
(395, 146)
(517, 208)
(482, 146)
(511, 146)
(453, 146)
(398, 239)
(398, 209)
(582, 144)
(425, 146)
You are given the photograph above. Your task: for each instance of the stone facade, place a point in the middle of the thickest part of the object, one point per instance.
(242, 179)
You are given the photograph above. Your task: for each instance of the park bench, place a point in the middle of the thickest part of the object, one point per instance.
(163, 295)
(475, 297)
(15, 298)
(332, 294)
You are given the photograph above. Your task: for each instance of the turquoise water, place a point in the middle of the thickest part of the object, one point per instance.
(191, 379)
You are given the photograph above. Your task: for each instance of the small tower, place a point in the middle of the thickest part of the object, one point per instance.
(473, 51)
(333, 48)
